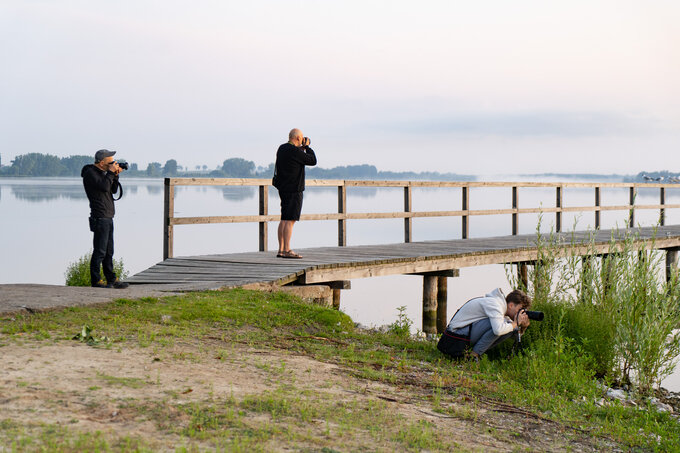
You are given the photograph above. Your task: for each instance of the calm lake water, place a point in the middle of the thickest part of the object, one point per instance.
(44, 227)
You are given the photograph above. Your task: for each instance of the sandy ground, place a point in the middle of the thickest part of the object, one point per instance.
(87, 389)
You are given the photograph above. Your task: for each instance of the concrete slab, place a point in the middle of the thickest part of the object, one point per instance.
(36, 298)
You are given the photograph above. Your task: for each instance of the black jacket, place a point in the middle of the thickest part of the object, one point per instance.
(100, 186)
(289, 173)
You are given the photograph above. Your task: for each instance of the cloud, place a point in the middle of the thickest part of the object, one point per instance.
(526, 124)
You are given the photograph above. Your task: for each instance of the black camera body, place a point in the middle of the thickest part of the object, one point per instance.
(123, 165)
(534, 315)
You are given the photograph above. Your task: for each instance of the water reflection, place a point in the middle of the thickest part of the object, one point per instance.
(154, 189)
(66, 189)
(234, 193)
(46, 192)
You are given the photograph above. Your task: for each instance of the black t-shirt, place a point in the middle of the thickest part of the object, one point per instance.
(290, 167)
(100, 186)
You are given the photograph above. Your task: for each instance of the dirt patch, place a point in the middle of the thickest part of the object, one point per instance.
(140, 392)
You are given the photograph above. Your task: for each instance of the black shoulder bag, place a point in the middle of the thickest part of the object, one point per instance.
(453, 344)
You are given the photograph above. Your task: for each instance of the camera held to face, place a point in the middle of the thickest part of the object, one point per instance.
(122, 165)
(534, 315)
(306, 141)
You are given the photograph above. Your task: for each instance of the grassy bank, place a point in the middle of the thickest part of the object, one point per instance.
(397, 392)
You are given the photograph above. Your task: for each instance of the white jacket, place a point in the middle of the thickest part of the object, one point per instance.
(492, 306)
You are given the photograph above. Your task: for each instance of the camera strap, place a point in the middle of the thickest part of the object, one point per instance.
(120, 189)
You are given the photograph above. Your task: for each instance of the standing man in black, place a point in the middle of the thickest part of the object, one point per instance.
(289, 179)
(101, 182)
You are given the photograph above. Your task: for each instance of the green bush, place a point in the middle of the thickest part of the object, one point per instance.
(78, 272)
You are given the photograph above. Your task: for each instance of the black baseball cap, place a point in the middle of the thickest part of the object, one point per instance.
(101, 154)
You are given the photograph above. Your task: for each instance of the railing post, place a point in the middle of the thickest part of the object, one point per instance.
(631, 216)
(515, 202)
(342, 209)
(558, 205)
(465, 206)
(168, 214)
(264, 210)
(408, 221)
(662, 210)
(597, 208)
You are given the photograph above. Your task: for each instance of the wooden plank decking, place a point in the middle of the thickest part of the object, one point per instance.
(325, 264)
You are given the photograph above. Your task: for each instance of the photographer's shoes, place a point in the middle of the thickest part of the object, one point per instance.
(117, 284)
(289, 254)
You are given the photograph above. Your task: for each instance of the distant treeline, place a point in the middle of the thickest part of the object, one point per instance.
(38, 164)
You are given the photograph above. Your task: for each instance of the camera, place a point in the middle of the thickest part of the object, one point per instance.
(306, 141)
(123, 165)
(534, 315)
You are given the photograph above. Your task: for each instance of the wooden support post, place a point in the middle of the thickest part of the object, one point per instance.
(597, 207)
(662, 201)
(586, 265)
(606, 271)
(522, 275)
(558, 205)
(264, 210)
(168, 214)
(671, 262)
(442, 301)
(430, 304)
(342, 209)
(408, 221)
(631, 215)
(337, 286)
(465, 206)
(515, 202)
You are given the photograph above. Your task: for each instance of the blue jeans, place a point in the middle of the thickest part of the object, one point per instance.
(482, 337)
(102, 251)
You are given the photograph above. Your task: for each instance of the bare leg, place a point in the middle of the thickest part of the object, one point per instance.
(287, 233)
(280, 235)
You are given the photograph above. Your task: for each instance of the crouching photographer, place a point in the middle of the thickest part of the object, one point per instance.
(485, 322)
(101, 182)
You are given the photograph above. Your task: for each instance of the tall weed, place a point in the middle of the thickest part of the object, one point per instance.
(616, 309)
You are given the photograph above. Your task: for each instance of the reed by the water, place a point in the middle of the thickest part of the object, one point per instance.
(617, 313)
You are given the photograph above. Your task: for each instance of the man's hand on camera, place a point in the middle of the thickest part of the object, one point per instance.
(115, 168)
(522, 320)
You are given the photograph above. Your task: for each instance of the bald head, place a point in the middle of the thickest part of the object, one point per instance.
(295, 137)
(294, 133)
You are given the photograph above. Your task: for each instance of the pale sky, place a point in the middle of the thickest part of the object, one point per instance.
(482, 87)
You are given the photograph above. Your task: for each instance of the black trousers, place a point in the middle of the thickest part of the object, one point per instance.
(102, 250)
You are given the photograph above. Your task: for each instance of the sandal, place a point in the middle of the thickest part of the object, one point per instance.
(291, 254)
(281, 255)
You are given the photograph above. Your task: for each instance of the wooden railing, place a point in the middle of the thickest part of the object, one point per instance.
(342, 216)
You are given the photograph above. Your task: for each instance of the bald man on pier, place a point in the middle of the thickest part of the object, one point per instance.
(289, 179)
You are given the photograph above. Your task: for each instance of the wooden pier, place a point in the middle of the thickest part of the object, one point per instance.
(433, 260)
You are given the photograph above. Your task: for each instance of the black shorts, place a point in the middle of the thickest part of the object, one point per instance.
(291, 205)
